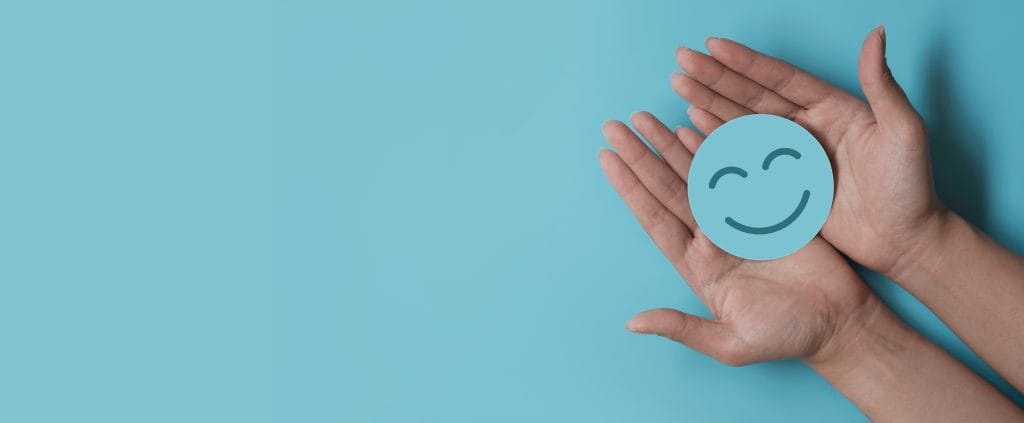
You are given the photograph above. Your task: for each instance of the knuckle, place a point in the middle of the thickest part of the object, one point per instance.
(754, 100)
(785, 78)
(658, 218)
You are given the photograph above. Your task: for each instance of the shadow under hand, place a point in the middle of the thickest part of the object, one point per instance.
(957, 145)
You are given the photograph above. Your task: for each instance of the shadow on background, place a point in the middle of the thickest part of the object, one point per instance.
(957, 145)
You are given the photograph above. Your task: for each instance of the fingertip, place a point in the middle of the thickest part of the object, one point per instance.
(641, 118)
(686, 58)
(636, 118)
(686, 86)
(654, 321)
(633, 116)
(636, 325)
(725, 49)
(681, 132)
(714, 47)
(712, 42)
(604, 157)
(631, 327)
(605, 124)
(689, 137)
(694, 62)
(881, 36)
(871, 64)
(676, 82)
(876, 35)
(609, 125)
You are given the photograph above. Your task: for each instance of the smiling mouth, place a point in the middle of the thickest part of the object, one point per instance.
(763, 230)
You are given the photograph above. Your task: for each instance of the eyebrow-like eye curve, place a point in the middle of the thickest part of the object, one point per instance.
(779, 152)
(725, 171)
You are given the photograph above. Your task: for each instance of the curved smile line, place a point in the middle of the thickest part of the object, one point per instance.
(773, 228)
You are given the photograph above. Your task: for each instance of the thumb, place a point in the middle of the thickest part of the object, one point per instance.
(889, 103)
(707, 336)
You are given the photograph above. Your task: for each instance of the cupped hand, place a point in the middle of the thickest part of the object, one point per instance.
(792, 307)
(884, 198)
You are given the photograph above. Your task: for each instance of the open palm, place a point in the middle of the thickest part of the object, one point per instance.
(763, 310)
(884, 193)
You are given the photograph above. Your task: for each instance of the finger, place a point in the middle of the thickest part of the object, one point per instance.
(888, 102)
(668, 232)
(707, 336)
(698, 95)
(790, 82)
(703, 120)
(738, 88)
(690, 138)
(665, 142)
(666, 186)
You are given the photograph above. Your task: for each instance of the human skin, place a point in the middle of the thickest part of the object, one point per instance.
(886, 215)
(809, 305)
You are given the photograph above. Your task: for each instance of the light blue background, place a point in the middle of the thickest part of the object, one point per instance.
(383, 212)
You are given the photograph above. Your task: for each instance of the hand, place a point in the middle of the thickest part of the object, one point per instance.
(884, 200)
(763, 310)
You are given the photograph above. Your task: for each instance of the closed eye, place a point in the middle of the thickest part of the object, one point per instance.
(779, 152)
(725, 171)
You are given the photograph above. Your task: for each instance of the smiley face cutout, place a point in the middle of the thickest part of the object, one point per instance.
(760, 187)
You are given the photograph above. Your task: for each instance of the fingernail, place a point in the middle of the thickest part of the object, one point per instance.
(881, 35)
(630, 326)
(722, 39)
(678, 128)
(601, 150)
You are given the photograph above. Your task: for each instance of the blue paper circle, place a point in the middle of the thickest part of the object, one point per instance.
(760, 187)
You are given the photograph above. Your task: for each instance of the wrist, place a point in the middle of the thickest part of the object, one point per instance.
(871, 330)
(869, 355)
(924, 250)
(892, 373)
